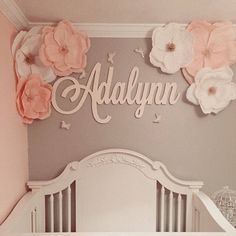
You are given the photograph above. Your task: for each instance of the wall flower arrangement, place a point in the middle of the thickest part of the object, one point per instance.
(40, 55)
(204, 51)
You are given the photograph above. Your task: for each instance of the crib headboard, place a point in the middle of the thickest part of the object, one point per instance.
(113, 190)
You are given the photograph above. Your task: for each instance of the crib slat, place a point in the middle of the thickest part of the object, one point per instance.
(179, 213)
(162, 209)
(188, 214)
(170, 211)
(69, 209)
(33, 221)
(40, 216)
(60, 211)
(51, 213)
(76, 205)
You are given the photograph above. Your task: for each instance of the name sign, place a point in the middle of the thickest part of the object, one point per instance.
(130, 92)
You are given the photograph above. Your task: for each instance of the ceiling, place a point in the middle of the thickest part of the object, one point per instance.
(127, 11)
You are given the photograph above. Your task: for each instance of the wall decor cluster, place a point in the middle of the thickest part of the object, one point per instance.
(45, 57)
(41, 55)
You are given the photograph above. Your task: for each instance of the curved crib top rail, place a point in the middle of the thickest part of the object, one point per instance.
(151, 169)
(115, 190)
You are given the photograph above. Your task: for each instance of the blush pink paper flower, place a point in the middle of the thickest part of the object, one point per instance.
(214, 46)
(64, 48)
(33, 99)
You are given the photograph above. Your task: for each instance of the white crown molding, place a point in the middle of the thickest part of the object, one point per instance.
(102, 30)
(14, 14)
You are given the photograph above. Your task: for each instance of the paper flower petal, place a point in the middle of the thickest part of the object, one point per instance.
(17, 42)
(191, 94)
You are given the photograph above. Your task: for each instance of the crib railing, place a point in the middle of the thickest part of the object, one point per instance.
(53, 206)
(171, 211)
(57, 211)
(31, 216)
(60, 210)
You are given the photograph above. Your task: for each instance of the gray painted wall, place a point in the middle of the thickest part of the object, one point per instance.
(191, 145)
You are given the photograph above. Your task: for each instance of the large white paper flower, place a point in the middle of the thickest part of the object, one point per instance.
(25, 50)
(213, 89)
(172, 48)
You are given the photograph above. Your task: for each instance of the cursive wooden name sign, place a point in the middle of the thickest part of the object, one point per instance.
(132, 92)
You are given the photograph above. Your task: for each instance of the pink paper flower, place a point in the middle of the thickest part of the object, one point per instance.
(64, 49)
(33, 99)
(214, 46)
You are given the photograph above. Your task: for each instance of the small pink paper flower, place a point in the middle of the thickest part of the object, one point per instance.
(64, 49)
(214, 46)
(33, 99)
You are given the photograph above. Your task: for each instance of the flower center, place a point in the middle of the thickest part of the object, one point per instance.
(30, 59)
(29, 96)
(207, 52)
(212, 91)
(170, 47)
(64, 50)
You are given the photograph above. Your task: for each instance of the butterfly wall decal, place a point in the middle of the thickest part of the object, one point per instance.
(110, 57)
(65, 125)
(139, 51)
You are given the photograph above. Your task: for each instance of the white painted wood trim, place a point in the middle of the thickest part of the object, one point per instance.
(71, 170)
(209, 214)
(112, 30)
(170, 216)
(14, 14)
(162, 215)
(103, 30)
(129, 234)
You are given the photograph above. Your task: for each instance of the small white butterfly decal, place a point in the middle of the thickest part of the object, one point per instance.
(157, 118)
(139, 51)
(82, 75)
(64, 125)
(110, 57)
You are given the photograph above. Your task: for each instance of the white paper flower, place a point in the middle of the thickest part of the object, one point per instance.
(25, 50)
(172, 48)
(213, 89)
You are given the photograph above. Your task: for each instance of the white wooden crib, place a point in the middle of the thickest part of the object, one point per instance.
(118, 191)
